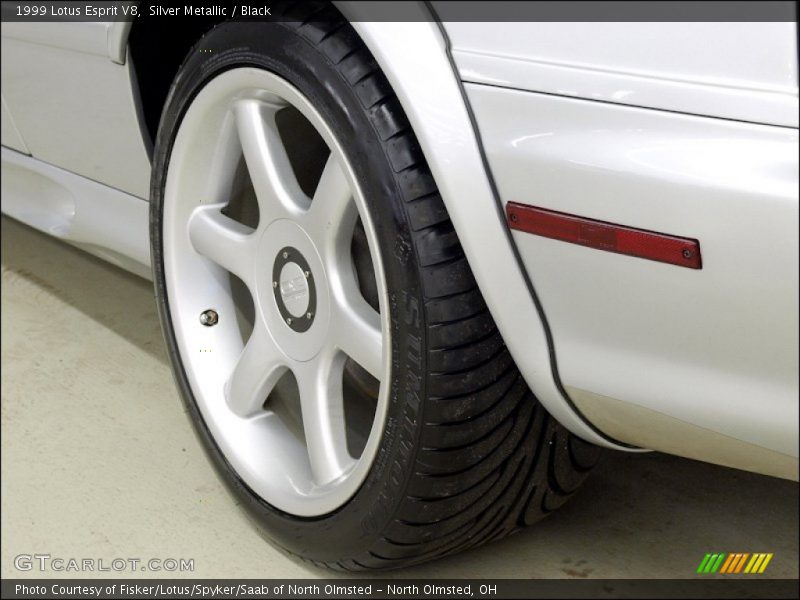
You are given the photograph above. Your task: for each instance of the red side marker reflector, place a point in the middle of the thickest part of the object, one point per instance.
(684, 252)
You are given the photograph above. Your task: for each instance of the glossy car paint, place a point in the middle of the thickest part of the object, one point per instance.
(717, 347)
(11, 137)
(742, 71)
(75, 107)
(103, 221)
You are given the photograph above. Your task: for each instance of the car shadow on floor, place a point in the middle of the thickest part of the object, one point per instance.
(109, 295)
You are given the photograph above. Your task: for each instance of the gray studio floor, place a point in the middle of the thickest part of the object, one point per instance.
(98, 459)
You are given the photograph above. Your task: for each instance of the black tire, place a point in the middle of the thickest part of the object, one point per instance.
(468, 454)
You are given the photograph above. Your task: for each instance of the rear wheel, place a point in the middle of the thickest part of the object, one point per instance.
(326, 333)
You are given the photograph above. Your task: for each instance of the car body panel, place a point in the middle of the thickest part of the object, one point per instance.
(104, 221)
(742, 71)
(73, 105)
(11, 137)
(716, 347)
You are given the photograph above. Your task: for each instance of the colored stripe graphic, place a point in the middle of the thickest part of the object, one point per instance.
(734, 563)
(755, 561)
(714, 567)
(727, 564)
(703, 563)
(764, 564)
(740, 563)
(712, 559)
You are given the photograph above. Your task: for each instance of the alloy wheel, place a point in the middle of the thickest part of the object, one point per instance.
(289, 377)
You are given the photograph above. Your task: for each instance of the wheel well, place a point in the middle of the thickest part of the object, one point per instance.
(157, 49)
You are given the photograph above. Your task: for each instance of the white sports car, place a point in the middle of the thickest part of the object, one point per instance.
(414, 274)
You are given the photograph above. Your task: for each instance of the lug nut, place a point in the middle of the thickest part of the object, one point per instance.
(308, 315)
(209, 317)
(307, 274)
(274, 284)
(285, 255)
(288, 320)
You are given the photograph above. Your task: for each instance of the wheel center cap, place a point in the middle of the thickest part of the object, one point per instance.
(294, 289)
(295, 307)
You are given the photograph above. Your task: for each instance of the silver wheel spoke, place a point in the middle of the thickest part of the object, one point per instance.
(279, 195)
(223, 241)
(320, 384)
(332, 218)
(257, 371)
(333, 213)
(357, 330)
(227, 154)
